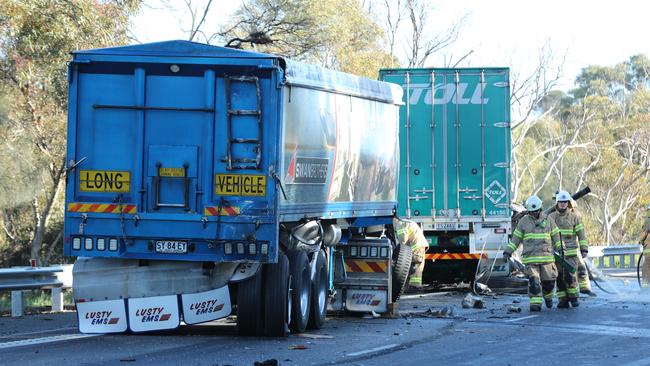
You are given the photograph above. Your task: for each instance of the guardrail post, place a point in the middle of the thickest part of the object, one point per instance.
(16, 304)
(57, 299)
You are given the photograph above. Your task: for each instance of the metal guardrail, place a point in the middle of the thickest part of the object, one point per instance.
(17, 279)
(615, 256)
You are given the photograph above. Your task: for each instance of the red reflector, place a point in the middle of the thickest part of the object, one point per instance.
(81, 300)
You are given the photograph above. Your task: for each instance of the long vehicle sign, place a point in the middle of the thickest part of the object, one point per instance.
(104, 181)
(240, 185)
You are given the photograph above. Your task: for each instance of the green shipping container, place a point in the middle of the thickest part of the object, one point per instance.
(454, 173)
(454, 143)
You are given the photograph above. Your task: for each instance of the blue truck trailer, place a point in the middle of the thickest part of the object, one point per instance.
(205, 181)
(454, 177)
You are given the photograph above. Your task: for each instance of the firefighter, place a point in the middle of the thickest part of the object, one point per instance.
(411, 234)
(645, 241)
(539, 236)
(572, 234)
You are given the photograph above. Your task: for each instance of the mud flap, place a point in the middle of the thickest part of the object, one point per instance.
(206, 306)
(153, 313)
(102, 316)
(366, 300)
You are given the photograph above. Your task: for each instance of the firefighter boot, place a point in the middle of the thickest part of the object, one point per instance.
(574, 303)
(563, 304)
(535, 307)
(549, 303)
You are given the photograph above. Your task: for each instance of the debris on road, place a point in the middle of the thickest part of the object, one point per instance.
(314, 336)
(514, 309)
(471, 301)
(297, 346)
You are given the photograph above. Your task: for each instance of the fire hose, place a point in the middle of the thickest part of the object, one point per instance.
(638, 267)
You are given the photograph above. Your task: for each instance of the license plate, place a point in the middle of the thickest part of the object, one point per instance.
(451, 226)
(171, 246)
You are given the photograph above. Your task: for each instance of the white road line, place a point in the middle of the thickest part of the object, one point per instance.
(383, 348)
(522, 318)
(53, 339)
(16, 335)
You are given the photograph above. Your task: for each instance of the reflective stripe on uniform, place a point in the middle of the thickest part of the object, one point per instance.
(571, 252)
(558, 245)
(534, 300)
(539, 259)
(548, 295)
(415, 280)
(566, 231)
(518, 234)
(572, 291)
(512, 246)
(561, 294)
(579, 227)
(537, 236)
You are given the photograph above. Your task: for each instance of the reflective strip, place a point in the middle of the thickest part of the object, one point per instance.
(540, 259)
(558, 245)
(571, 252)
(221, 211)
(583, 242)
(579, 227)
(584, 283)
(561, 294)
(536, 300)
(584, 246)
(102, 208)
(548, 295)
(555, 231)
(512, 246)
(566, 231)
(572, 290)
(415, 280)
(453, 256)
(537, 236)
(518, 234)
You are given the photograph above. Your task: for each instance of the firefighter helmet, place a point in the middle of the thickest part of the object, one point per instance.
(562, 196)
(533, 203)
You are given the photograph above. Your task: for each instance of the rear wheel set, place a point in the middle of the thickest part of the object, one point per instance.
(283, 296)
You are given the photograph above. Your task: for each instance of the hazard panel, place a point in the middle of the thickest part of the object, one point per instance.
(102, 316)
(363, 266)
(206, 306)
(452, 256)
(366, 300)
(153, 313)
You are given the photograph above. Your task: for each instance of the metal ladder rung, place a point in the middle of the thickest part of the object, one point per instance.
(242, 140)
(241, 160)
(244, 112)
(244, 78)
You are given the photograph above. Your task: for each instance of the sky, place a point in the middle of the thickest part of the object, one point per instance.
(509, 33)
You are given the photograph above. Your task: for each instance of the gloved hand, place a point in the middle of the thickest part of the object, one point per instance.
(584, 253)
(506, 256)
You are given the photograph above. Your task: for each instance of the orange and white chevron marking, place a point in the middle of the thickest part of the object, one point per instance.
(225, 211)
(358, 265)
(102, 208)
(452, 256)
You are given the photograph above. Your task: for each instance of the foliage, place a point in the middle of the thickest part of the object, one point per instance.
(36, 37)
(597, 135)
(338, 34)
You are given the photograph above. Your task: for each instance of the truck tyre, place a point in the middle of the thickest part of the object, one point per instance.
(319, 289)
(300, 290)
(250, 321)
(401, 268)
(277, 302)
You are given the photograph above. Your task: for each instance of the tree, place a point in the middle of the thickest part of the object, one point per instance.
(337, 34)
(36, 37)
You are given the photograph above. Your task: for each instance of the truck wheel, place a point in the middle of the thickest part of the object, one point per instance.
(300, 290)
(401, 268)
(250, 321)
(277, 302)
(319, 288)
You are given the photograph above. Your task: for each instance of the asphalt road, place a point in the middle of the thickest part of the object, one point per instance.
(433, 328)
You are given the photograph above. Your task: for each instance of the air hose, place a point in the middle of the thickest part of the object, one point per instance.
(638, 267)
